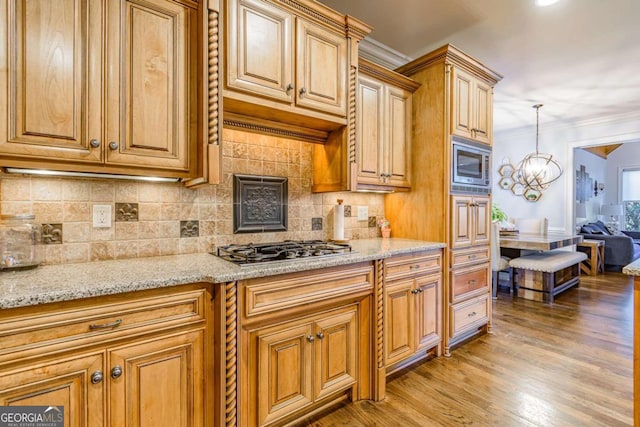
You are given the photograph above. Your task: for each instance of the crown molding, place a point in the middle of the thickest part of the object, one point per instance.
(381, 54)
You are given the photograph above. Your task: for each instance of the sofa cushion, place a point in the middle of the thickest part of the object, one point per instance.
(599, 225)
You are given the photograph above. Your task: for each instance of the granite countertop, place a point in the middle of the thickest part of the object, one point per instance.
(632, 269)
(73, 281)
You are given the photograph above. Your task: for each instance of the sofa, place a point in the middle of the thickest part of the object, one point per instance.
(619, 249)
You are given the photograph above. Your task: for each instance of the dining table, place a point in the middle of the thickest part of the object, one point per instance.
(512, 244)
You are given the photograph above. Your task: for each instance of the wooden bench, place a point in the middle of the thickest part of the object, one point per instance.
(541, 276)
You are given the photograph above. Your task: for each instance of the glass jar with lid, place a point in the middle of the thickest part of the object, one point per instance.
(20, 241)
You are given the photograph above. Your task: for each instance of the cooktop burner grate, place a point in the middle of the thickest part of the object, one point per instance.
(278, 251)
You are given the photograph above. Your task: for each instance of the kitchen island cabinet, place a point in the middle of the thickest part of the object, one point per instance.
(633, 269)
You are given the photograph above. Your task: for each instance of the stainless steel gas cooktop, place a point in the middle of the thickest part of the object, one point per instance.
(279, 251)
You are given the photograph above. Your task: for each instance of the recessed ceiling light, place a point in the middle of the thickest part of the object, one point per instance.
(543, 3)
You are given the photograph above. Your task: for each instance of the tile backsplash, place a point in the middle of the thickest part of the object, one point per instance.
(150, 219)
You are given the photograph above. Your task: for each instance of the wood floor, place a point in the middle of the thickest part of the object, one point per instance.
(566, 364)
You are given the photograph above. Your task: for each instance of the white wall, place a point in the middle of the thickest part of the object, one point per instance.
(626, 156)
(558, 139)
(596, 167)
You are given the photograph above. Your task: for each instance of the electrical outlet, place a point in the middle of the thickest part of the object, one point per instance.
(102, 216)
(363, 213)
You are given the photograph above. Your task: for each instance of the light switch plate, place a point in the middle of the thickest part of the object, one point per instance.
(363, 213)
(101, 216)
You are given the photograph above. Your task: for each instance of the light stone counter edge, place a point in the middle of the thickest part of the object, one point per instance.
(632, 269)
(55, 283)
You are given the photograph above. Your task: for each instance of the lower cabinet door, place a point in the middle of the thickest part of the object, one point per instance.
(428, 311)
(335, 353)
(159, 382)
(399, 325)
(284, 370)
(75, 384)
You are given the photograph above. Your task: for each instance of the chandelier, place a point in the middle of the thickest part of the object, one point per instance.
(538, 170)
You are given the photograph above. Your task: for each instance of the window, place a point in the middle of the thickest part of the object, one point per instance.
(631, 199)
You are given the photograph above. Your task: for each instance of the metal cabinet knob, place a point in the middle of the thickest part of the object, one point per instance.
(114, 145)
(414, 291)
(320, 335)
(116, 371)
(94, 143)
(311, 338)
(302, 91)
(289, 87)
(96, 377)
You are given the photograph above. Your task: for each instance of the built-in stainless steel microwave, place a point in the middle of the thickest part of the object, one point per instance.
(471, 168)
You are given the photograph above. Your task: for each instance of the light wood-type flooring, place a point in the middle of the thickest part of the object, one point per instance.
(566, 364)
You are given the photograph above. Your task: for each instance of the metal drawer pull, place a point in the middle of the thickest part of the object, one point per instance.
(310, 338)
(320, 335)
(471, 282)
(473, 313)
(414, 267)
(106, 325)
(473, 256)
(96, 377)
(116, 371)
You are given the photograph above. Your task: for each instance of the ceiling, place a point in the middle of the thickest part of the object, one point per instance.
(580, 58)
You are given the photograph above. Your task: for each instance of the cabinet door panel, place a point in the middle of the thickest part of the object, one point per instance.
(65, 383)
(461, 224)
(321, 72)
(53, 87)
(260, 49)
(369, 122)
(482, 222)
(483, 112)
(284, 370)
(428, 311)
(150, 74)
(462, 104)
(335, 353)
(399, 137)
(399, 322)
(162, 383)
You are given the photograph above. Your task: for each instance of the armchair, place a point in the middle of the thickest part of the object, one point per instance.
(619, 250)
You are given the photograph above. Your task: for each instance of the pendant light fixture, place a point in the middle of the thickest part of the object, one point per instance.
(538, 170)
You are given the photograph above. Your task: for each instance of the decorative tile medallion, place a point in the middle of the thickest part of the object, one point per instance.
(316, 224)
(52, 234)
(347, 211)
(259, 204)
(126, 212)
(189, 228)
(372, 221)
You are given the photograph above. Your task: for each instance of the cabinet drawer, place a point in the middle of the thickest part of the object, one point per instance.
(469, 314)
(268, 294)
(96, 320)
(409, 265)
(469, 281)
(462, 257)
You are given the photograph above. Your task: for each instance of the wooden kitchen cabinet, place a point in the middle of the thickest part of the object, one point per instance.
(472, 107)
(412, 308)
(120, 360)
(383, 129)
(100, 86)
(305, 342)
(471, 221)
(288, 66)
(299, 363)
(455, 98)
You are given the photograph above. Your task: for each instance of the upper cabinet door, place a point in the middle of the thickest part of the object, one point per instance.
(260, 46)
(150, 76)
(321, 72)
(51, 79)
(483, 112)
(398, 149)
(462, 104)
(370, 130)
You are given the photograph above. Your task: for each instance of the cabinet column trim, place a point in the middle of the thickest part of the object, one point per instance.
(231, 362)
(380, 372)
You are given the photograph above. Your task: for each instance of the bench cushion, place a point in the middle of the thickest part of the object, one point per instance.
(548, 262)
